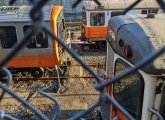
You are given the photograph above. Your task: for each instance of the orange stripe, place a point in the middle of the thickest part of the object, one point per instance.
(31, 61)
(115, 112)
(121, 116)
(55, 12)
(109, 88)
(95, 32)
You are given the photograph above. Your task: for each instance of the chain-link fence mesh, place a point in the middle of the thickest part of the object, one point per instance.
(37, 18)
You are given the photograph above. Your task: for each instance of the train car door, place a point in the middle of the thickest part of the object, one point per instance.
(128, 92)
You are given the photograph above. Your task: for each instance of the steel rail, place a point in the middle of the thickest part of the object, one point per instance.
(25, 103)
(57, 104)
(75, 56)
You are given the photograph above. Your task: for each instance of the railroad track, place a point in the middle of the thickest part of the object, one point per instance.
(36, 97)
(46, 105)
(24, 78)
(13, 107)
(77, 96)
(50, 78)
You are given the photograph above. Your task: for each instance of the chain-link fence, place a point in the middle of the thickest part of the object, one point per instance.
(37, 17)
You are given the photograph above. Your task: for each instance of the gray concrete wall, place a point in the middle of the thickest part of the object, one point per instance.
(18, 2)
(68, 11)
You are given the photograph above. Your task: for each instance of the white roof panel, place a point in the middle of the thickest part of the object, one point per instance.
(121, 4)
(19, 13)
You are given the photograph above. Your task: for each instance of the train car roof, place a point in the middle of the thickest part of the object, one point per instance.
(120, 5)
(20, 13)
(153, 23)
(144, 36)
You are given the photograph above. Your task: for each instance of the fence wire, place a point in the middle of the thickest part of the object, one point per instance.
(37, 18)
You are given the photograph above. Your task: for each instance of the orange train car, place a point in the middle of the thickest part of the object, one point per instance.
(40, 51)
(95, 18)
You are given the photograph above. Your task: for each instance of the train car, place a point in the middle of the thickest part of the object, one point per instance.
(95, 18)
(41, 51)
(131, 38)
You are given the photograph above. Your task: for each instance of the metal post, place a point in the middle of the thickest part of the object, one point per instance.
(61, 2)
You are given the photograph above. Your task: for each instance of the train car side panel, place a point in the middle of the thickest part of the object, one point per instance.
(95, 32)
(29, 61)
(39, 51)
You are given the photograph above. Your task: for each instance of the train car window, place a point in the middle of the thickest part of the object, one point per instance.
(61, 35)
(144, 12)
(61, 30)
(61, 26)
(8, 36)
(116, 13)
(84, 20)
(97, 19)
(38, 40)
(128, 92)
(150, 11)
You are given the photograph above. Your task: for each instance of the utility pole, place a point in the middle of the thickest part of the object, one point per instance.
(61, 2)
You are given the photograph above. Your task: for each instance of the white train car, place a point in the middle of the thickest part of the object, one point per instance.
(131, 38)
(95, 18)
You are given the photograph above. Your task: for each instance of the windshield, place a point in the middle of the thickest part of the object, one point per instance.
(97, 19)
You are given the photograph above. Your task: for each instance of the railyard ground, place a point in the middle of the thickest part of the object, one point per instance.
(78, 96)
